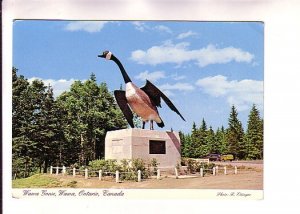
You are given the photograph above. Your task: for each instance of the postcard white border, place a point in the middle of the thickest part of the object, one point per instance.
(110, 193)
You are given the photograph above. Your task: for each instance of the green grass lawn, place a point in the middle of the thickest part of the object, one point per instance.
(36, 181)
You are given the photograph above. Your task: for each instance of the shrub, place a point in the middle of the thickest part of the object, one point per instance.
(193, 166)
(75, 165)
(112, 165)
(207, 167)
(104, 165)
(125, 165)
(153, 164)
(184, 161)
(127, 168)
(81, 170)
(139, 164)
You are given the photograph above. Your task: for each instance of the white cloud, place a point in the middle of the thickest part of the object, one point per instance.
(243, 94)
(152, 76)
(140, 26)
(179, 53)
(59, 86)
(163, 28)
(168, 93)
(176, 77)
(172, 89)
(88, 26)
(156, 75)
(186, 34)
(215, 86)
(177, 86)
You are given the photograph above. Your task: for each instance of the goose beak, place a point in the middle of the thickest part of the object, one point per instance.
(101, 56)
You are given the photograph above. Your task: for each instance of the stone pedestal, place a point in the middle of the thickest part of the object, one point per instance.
(164, 146)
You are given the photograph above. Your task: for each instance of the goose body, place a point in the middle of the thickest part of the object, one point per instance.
(143, 101)
(141, 104)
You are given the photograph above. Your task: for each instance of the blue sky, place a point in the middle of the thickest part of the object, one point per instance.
(204, 67)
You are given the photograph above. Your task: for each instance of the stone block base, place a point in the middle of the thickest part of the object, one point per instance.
(164, 146)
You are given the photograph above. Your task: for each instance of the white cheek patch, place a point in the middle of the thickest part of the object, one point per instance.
(130, 91)
(108, 56)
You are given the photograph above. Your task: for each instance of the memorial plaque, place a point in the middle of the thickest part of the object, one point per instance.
(157, 147)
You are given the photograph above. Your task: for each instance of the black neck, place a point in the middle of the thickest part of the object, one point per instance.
(124, 74)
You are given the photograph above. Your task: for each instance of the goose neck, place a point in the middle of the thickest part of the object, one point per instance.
(123, 72)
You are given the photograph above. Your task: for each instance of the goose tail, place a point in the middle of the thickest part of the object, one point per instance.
(161, 124)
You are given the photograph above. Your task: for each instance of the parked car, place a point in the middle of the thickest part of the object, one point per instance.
(228, 157)
(214, 157)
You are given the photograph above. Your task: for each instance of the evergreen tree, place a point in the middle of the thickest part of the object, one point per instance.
(203, 149)
(188, 148)
(235, 135)
(199, 141)
(221, 141)
(254, 135)
(261, 145)
(64, 131)
(70, 147)
(212, 145)
(90, 111)
(49, 131)
(183, 143)
(23, 148)
(195, 142)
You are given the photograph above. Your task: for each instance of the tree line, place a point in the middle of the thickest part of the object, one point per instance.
(64, 130)
(71, 128)
(232, 140)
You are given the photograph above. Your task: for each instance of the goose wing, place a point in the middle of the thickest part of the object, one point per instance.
(155, 94)
(122, 102)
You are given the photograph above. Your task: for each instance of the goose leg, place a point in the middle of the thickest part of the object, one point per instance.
(151, 125)
(143, 125)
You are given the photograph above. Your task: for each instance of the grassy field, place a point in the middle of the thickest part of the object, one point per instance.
(40, 180)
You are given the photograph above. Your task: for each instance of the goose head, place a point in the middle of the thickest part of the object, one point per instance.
(106, 54)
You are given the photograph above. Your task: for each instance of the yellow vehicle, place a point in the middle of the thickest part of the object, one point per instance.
(228, 157)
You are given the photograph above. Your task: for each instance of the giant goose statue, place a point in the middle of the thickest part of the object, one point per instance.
(143, 101)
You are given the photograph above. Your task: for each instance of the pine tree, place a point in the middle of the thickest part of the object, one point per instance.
(221, 141)
(235, 135)
(254, 135)
(199, 140)
(50, 132)
(183, 144)
(212, 145)
(203, 149)
(23, 148)
(195, 142)
(188, 146)
(70, 147)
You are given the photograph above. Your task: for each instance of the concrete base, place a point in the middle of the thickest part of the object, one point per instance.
(164, 146)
